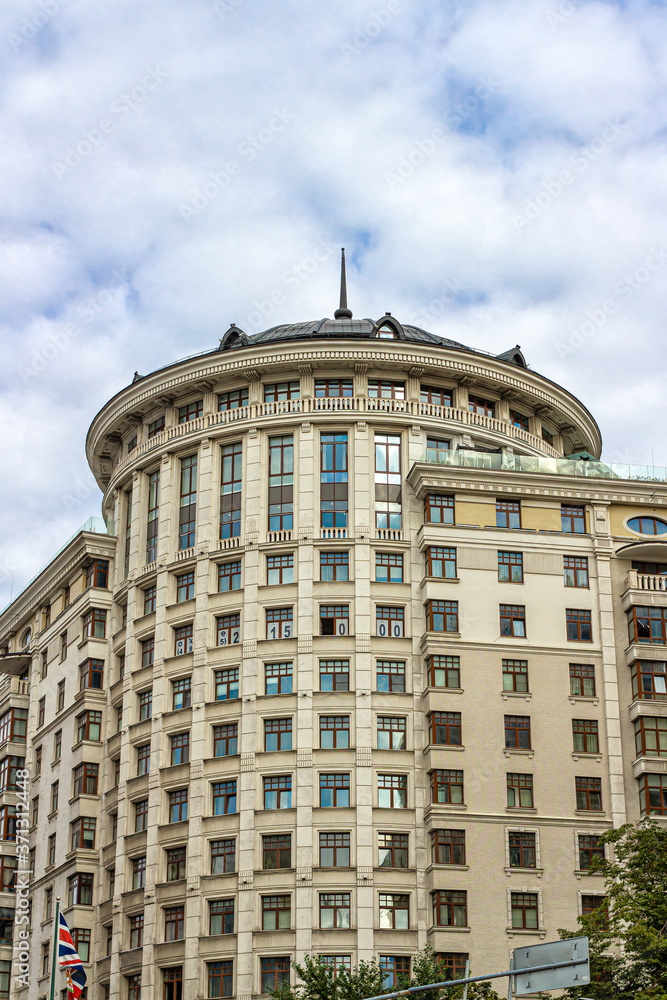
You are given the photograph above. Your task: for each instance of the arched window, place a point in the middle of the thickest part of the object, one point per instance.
(26, 637)
(648, 525)
(386, 333)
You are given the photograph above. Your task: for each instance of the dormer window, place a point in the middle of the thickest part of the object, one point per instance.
(386, 333)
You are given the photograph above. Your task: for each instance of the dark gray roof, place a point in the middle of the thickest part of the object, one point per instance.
(340, 329)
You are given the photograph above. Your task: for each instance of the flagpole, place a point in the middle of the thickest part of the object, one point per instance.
(55, 949)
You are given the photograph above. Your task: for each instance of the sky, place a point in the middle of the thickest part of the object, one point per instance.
(497, 172)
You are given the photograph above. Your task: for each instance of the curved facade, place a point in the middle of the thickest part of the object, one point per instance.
(357, 677)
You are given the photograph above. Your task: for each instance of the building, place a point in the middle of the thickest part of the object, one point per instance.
(373, 650)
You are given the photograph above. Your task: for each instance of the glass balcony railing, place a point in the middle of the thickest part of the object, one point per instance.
(588, 468)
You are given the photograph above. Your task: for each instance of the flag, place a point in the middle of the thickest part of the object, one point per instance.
(70, 961)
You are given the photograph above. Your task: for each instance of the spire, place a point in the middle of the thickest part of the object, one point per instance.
(343, 312)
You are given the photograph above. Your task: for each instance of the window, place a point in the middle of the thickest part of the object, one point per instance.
(280, 569)
(63, 646)
(334, 791)
(327, 388)
(119, 717)
(589, 794)
(185, 587)
(223, 856)
(482, 406)
(651, 737)
(445, 728)
(55, 788)
(89, 726)
(141, 816)
(155, 427)
(334, 567)
(143, 759)
(334, 850)
(437, 448)
(447, 787)
(652, 795)
(510, 567)
(276, 913)
(277, 734)
(85, 779)
(91, 675)
(116, 772)
(278, 678)
(132, 444)
(334, 732)
(174, 923)
(385, 390)
(390, 675)
(60, 703)
(191, 411)
(391, 732)
(34, 819)
(390, 622)
(41, 711)
(95, 624)
(139, 872)
(181, 691)
(225, 740)
(334, 619)
(439, 509)
(229, 576)
(8, 768)
(573, 519)
(231, 489)
(336, 962)
(278, 792)
(394, 911)
(275, 972)
(582, 680)
(388, 482)
(45, 664)
(519, 420)
(333, 481)
(147, 651)
(334, 910)
(51, 850)
(388, 567)
(232, 400)
(575, 571)
(547, 436)
(508, 514)
(279, 391)
(453, 964)
(178, 805)
(590, 848)
(393, 850)
(227, 684)
(524, 910)
(277, 851)
(522, 850)
(180, 748)
(441, 562)
(281, 483)
(279, 623)
(8, 823)
(224, 797)
(392, 791)
(13, 724)
(448, 847)
(228, 629)
(647, 625)
(97, 574)
(647, 525)
(435, 395)
(188, 503)
(517, 732)
(515, 675)
(153, 517)
(80, 890)
(150, 595)
(136, 931)
(334, 675)
(134, 987)
(578, 624)
(442, 616)
(513, 619)
(183, 640)
(221, 918)
(585, 736)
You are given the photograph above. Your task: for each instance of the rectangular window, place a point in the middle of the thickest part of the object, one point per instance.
(231, 490)
(547, 436)
(276, 913)
(227, 684)
(437, 448)
(334, 675)
(333, 388)
(139, 872)
(181, 693)
(508, 514)
(223, 856)
(233, 400)
(573, 519)
(582, 680)
(482, 406)
(178, 805)
(45, 668)
(519, 791)
(334, 732)
(143, 759)
(334, 791)
(378, 389)
(439, 509)
(391, 732)
(85, 779)
(578, 624)
(278, 678)
(185, 587)
(585, 735)
(275, 972)
(522, 850)
(390, 622)
(278, 792)
(336, 963)
(393, 850)
(60, 703)
(510, 567)
(150, 597)
(589, 794)
(134, 987)
(395, 971)
(183, 640)
(277, 851)
(57, 744)
(279, 623)
(89, 726)
(445, 728)
(277, 734)
(281, 483)
(91, 675)
(647, 625)
(334, 567)
(41, 711)
(392, 791)
(590, 849)
(442, 616)
(517, 732)
(448, 847)
(515, 675)
(653, 794)
(333, 481)
(191, 411)
(128, 538)
(226, 739)
(513, 620)
(524, 910)
(650, 737)
(229, 576)
(450, 908)
(447, 787)
(188, 503)
(221, 920)
(280, 391)
(148, 651)
(441, 562)
(13, 725)
(97, 574)
(334, 910)
(388, 482)
(174, 923)
(156, 427)
(394, 911)
(334, 850)
(228, 629)
(280, 569)
(575, 571)
(519, 420)
(390, 675)
(334, 619)
(153, 517)
(80, 890)
(63, 646)
(95, 624)
(388, 567)
(136, 931)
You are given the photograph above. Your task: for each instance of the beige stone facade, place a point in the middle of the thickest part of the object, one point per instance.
(301, 723)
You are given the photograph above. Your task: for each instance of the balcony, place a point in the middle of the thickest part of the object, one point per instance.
(14, 692)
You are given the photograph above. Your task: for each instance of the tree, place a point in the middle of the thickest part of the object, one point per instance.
(628, 935)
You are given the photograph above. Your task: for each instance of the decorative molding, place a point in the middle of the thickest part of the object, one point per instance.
(253, 375)
(465, 380)
(363, 642)
(306, 368)
(247, 762)
(364, 875)
(249, 647)
(360, 367)
(246, 879)
(415, 371)
(304, 758)
(304, 876)
(361, 426)
(204, 385)
(306, 427)
(196, 769)
(165, 399)
(194, 883)
(252, 433)
(364, 756)
(304, 644)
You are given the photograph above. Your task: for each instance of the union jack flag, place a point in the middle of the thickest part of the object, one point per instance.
(70, 961)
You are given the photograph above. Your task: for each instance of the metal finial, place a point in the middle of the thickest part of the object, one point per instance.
(343, 312)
